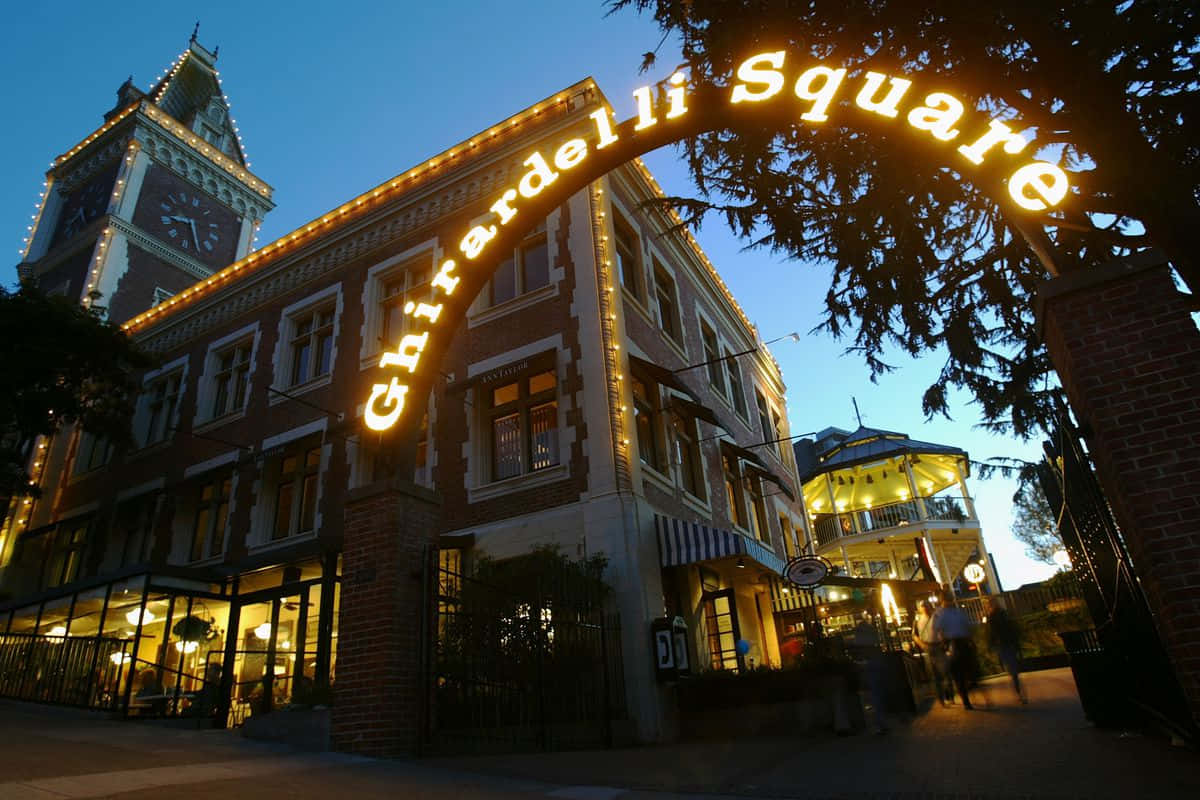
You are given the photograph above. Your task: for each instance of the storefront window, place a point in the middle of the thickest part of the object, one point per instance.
(85, 619)
(25, 619)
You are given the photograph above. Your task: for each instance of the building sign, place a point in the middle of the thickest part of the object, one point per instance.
(974, 573)
(938, 116)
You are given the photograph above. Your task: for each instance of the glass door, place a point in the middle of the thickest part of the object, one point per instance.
(721, 624)
(269, 662)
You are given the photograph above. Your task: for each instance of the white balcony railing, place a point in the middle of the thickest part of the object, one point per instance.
(830, 527)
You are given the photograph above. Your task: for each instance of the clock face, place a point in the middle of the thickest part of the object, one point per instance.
(186, 220)
(84, 205)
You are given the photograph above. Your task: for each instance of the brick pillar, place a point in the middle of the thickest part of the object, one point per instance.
(1124, 344)
(378, 684)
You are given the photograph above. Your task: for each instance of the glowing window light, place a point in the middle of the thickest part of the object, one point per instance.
(146, 616)
(263, 631)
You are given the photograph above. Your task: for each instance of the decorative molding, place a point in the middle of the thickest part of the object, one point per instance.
(69, 180)
(205, 174)
(159, 250)
(287, 274)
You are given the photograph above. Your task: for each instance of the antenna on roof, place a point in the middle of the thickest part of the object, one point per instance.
(857, 415)
(195, 31)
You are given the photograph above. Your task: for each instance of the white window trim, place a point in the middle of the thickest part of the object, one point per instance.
(204, 388)
(258, 539)
(610, 230)
(181, 365)
(281, 360)
(680, 347)
(481, 313)
(372, 325)
(475, 448)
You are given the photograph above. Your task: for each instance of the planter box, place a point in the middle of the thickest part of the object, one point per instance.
(306, 729)
(829, 708)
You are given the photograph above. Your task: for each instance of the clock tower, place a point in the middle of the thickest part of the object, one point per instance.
(157, 198)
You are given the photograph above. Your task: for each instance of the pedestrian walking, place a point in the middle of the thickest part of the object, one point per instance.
(869, 657)
(953, 629)
(1005, 641)
(933, 652)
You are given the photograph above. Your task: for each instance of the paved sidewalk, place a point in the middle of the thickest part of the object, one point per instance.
(1044, 750)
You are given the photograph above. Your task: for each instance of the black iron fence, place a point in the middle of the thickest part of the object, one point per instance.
(1121, 667)
(525, 657)
(82, 671)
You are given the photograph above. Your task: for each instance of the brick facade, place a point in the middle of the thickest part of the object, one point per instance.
(390, 529)
(1123, 340)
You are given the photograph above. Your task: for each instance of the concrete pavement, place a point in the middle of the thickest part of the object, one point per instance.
(1043, 750)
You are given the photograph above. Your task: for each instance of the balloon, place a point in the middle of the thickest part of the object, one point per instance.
(742, 646)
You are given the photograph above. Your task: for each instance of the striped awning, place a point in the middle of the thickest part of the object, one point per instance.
(682, 541)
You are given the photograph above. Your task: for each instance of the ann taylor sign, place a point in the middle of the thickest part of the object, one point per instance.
(817, 93)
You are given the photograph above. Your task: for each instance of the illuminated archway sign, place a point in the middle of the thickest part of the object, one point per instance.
(756, 96)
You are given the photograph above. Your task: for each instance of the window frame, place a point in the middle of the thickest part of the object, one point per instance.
(223, 403)
(735, 496)
(737, 387)
(521, 407)
(635, 284)
(671, 324)
(686, 439)
(712, 358)
(211, 542)
(538, 237)
(316, 340)
(649, 407)
(305, 476)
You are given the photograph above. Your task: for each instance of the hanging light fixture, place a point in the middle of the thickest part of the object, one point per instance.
(741, 563)
(869, 478)
(135, 614)
(186, 646)
(263, 631)
(841, 481)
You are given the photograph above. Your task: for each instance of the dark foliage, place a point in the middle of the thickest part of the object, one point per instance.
(921, 260)
(63, 364)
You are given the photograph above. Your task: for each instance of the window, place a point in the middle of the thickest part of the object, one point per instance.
(411, 285)
(768, 420)
(733, 491)
(712, 357)
(296, 493)
(758, 506)
(134, 525)
(66, 553)
(162, 401)
(687, 456)
(312, 345)
(231, 379)
(212, 513)
(668, 303)
(94, 452)
(161, 295)
(645, 418)
(628, 253)
(527, 270)
(785, 530)
(736, 393)
(522, 423)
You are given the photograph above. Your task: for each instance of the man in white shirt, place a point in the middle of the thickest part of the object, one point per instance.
(951, 626)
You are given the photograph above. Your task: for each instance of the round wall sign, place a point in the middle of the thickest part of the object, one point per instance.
(974, 573)
(806, 571)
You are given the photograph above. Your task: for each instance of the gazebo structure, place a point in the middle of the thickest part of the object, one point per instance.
(883, 505)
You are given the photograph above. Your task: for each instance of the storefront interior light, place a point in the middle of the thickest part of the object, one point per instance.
(187, 646)
(263, 631)
(120, 658)
(741, 563)
(134, 614)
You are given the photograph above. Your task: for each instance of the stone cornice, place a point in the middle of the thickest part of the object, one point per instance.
(166, 149)
(137, 236)
(421, 209)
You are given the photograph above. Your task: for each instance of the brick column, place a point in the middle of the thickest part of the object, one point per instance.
(1124, 344)
(378, 685)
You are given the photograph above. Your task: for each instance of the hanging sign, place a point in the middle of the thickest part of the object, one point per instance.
(974, 573)
(807, 572)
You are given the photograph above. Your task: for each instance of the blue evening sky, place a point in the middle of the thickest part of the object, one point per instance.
(334, 98)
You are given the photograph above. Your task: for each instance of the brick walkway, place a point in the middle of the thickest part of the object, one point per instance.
(1043, 750)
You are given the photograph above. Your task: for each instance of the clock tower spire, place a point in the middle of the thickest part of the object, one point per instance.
(158, 197)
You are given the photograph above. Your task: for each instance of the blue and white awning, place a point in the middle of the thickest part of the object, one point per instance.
(681, 541)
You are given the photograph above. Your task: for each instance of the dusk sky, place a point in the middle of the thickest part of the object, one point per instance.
(335, 98)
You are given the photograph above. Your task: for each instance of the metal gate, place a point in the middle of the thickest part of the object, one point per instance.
(525, 655)
(1121, 669)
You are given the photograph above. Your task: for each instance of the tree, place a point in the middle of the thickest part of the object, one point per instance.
(63, 364)
(1035, 524)
(922, 260)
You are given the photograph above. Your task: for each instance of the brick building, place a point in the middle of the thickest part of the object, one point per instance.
(240, 550)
